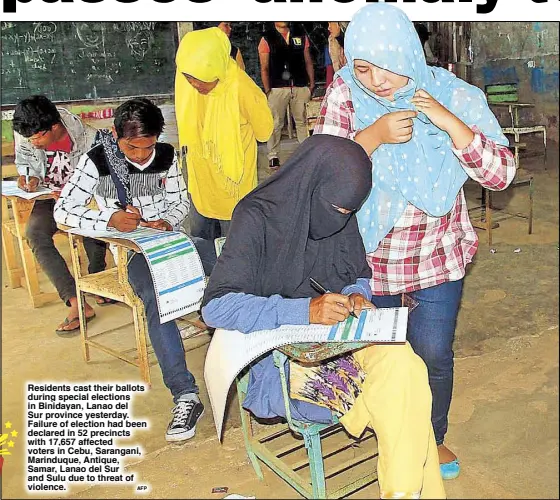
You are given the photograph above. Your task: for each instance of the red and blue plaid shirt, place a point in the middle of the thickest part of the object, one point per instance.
(423, 251)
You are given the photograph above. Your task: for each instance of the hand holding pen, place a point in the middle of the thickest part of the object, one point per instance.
(160, 224)
(126, 219)
(130, 209)
(322, 290)
(331, 308)
(27, 183)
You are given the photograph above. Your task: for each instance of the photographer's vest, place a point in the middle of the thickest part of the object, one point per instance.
(287, 62)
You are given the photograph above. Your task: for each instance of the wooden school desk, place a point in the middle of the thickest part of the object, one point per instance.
(517, 130)
(113, 284)
(14, 228)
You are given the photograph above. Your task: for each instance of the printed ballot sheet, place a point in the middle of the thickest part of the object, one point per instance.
(174, 264)
(10, 188)
(231, 351)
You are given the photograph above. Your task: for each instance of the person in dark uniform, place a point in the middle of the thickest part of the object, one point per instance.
(288, 79)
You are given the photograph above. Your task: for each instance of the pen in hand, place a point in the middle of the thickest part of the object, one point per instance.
(118, 204)
(26, 179)
(322, 290)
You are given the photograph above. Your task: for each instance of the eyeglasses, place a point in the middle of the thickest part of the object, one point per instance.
(38, 135)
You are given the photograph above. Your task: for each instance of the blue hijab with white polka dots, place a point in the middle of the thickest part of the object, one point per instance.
(424, 171)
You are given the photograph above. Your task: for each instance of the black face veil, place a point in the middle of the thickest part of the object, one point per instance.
(288, 229)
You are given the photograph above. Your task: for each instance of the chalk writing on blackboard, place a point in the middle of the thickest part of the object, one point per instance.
(87, 60)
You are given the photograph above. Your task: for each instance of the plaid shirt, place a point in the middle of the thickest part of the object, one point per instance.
(423, 251)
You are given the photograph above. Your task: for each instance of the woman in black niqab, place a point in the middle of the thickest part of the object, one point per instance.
(301, 223)
(288, 229)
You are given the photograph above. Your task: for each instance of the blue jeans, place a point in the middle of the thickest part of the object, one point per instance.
(165, 338)
(431, 331)
(40, 231)
(204, 227)
(207, 252)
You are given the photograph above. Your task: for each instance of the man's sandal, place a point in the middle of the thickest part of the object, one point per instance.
(62, 331)
(104, 301)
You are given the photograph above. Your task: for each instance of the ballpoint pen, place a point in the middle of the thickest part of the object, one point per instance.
(322, 290)
(118, 204)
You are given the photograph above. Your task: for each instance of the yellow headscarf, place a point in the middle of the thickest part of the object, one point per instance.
(209, 125)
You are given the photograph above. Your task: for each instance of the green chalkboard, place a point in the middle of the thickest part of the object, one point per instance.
(69, 61)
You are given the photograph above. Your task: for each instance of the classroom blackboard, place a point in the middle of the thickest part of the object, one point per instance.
(69, 61)
(247, 34)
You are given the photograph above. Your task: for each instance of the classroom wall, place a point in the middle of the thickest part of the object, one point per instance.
(93, 113)
(525, 53)
(503, 52)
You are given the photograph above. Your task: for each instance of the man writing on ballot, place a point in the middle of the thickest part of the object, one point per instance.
(135, 181)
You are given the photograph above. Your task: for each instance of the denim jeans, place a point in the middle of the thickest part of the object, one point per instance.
(207, 253)
(166, 339)
(40, 230)
(431, 331)
(205, 228)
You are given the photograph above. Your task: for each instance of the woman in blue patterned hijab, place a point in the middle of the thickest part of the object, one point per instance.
(426, 132)
(419, 166)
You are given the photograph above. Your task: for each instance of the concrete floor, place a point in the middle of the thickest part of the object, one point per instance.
(504, 415)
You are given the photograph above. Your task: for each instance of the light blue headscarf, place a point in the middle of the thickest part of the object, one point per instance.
(424, 171)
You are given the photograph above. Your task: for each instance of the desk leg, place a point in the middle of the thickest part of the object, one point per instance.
(517, 139)
(289, 118)
(488, 215)
(140, 330)
(15, 272)
(138, 316)
(531, 191)
(74, 242)
(22, 211)
(544, 140)
(512, 116)
(83, 324)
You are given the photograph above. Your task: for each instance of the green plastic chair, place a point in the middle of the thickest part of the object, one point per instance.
(263, 447)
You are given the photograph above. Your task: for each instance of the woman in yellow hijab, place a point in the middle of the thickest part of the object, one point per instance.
(221, 114)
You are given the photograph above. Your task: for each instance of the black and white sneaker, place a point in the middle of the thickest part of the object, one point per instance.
(186, 414)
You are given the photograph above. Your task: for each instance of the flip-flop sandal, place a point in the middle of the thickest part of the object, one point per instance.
(105, 301)
(73, 331)
(450, 470)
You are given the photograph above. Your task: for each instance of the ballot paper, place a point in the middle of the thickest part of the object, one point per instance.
(10, 188)
(174, 264)
(231, 351)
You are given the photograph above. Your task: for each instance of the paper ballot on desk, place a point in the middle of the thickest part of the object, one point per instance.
(231, 351)
(174, 264)
(10, 188)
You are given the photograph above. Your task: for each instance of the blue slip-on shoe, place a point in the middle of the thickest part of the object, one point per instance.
(450, 470)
